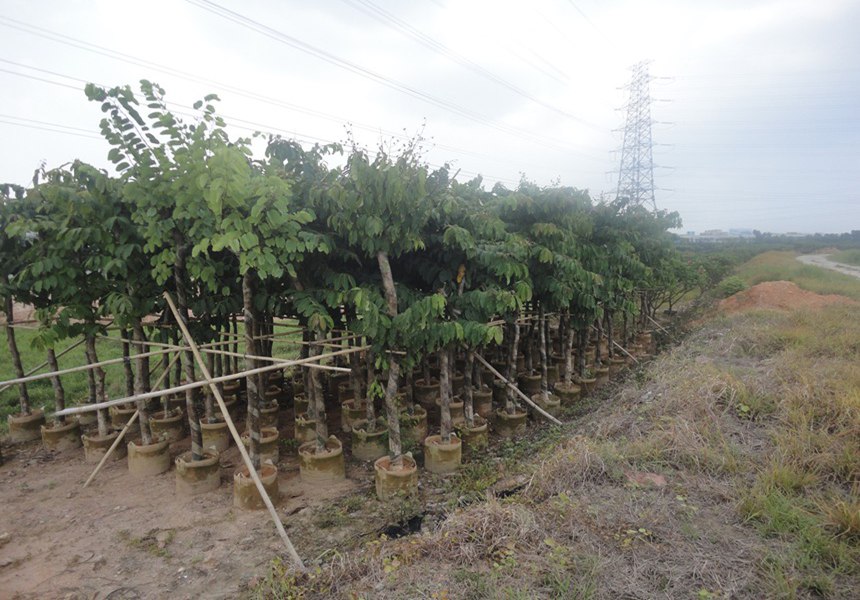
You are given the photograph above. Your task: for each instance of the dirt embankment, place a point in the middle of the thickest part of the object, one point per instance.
(780, 295)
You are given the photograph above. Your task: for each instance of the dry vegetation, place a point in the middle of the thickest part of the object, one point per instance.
(727, 468)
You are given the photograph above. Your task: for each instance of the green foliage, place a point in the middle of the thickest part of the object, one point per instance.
(732, 285)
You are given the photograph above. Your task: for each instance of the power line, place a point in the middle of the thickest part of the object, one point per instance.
(52, 127)
(230, 120)
(352, 67)
(185, 75)
(380, 14)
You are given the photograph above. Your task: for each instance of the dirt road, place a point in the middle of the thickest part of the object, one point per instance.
(822, 260)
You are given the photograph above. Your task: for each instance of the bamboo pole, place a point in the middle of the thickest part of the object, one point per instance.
(209, 349)
(45, 364)
(89, 367)
(247, 459)
(273, 359)
(617, 345)
(517, 390)
(125, 429)
(620, 347)
(198, 384)
(660, 327)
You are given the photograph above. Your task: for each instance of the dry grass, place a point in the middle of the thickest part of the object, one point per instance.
(753, 422)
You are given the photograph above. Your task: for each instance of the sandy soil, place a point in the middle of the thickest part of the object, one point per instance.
(128, 538)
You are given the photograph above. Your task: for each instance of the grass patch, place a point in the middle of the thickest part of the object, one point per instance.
(847, 257)
(783, 266)
(75, 384)
(155, 542)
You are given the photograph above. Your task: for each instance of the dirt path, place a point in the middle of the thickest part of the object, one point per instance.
(821, 260)
(128, 538)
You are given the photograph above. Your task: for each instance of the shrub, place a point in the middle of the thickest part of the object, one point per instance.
(732, 285)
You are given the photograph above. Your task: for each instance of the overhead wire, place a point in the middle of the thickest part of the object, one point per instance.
(230, 120)
(172, 71)
(324, 55)
(380, 14)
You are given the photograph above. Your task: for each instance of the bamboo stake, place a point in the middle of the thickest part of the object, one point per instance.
(44, 364)
(617, 345)
(208, 349)
(198, 384)
(273, 359)
(660, 327)
(516, 389)
(620, 347)
(125, 429)
(90, 367)
(247, 459)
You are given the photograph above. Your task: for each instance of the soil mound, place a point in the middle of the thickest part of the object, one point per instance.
(780, 295)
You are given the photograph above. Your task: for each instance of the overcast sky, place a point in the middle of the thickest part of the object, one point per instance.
(757, 102)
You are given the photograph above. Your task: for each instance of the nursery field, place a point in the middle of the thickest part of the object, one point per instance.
(727, 467)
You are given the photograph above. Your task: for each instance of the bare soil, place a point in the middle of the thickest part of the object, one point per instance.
(780, 295)
(135, 538)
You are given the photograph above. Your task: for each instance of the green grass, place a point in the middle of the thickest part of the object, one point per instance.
(783, 266)
(75, 384)
(847, 257)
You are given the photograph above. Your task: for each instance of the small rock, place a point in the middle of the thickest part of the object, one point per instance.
(69, 495)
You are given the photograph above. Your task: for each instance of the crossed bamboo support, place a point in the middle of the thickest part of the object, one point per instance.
(235, 433)
(519, 393)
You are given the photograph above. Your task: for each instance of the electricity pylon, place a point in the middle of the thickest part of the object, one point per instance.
(636, 173)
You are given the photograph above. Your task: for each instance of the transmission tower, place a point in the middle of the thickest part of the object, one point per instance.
(636, 173)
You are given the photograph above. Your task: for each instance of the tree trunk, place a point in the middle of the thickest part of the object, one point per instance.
(250, 363)
(544, 381)
(511, 375)
(23, 395)
(468, 388)
(235, 344)
(625, 329)
(565, 333)
(99, 374)
(369, 408)
(598, 355)
(208, 399)
(528, 348)
(177, 366)
(126, 363)
(445, 392)
(59, 393)
(259, 350)
(425, 370)
(355, 374)
(165, 361)
(582, 342)
(391, 409)
(478, 375)
(141, 382)
(305, 352)
(319, 397)
(610, 340)
(219, 358)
